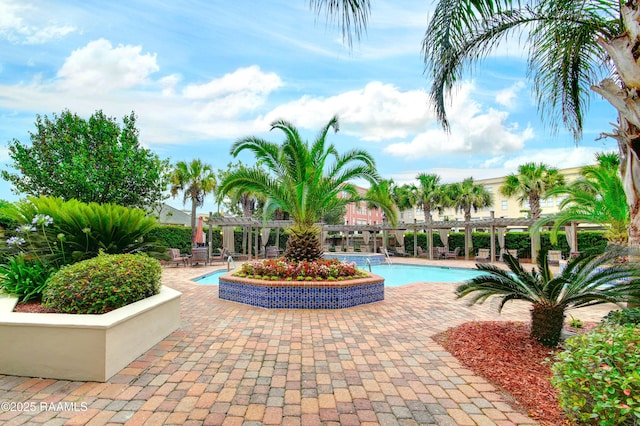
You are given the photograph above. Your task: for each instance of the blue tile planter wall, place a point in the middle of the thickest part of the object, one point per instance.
(302, 294)
(360, 259)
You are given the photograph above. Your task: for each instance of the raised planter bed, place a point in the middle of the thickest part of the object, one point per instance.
(84, 347)
(302, 294)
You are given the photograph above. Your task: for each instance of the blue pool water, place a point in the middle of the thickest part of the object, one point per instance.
(394, 275)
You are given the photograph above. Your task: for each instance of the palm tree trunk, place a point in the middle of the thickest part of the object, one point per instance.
(546, 324)
(194, 205)
(625, 99)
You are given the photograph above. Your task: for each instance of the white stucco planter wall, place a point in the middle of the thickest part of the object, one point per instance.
(84, 347)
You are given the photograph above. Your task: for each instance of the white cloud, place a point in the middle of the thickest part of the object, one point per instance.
(508, 97)
(21, 23)
(99, 67)
(374, 113)
(243, 80)
(472, 130)
(561, 158)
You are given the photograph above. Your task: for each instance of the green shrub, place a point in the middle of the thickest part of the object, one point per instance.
(78, 231)
(598, 376)
(103, 283)
(623, 317)
(25, 279)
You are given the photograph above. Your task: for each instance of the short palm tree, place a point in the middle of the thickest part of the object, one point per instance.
(304, 180)
(464, 196)
(585, 281)
(596, 197)
(531, 183)
(195, 180)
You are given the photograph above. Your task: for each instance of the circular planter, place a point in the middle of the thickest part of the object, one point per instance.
(302, 294)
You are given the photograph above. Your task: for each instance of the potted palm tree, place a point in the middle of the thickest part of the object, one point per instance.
(585, 281)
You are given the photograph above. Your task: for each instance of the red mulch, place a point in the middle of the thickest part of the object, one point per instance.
(33, 308)
(504, 354)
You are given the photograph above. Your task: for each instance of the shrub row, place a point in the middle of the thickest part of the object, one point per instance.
(588, 241)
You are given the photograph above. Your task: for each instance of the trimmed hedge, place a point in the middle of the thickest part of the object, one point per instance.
(588, 242)
(103, 283)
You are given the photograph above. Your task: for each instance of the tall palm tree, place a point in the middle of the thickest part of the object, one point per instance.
(303, 180)
(585, 281)
(593, 198)
(431, 194)
(404, 196)
(464, 196)
(195, 180)
(380, 196)
(531, 183)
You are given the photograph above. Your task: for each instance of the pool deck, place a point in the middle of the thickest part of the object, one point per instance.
(233, 364)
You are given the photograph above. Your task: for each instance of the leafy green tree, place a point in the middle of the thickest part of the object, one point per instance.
(298, 178)
(464, 196)
(531, 183)
(585, 281)
(94, 160)
(195, 180)
(593, 198)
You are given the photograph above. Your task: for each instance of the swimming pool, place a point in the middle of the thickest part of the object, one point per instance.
(394, 275)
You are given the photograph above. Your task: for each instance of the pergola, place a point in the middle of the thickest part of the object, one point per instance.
(496, 226)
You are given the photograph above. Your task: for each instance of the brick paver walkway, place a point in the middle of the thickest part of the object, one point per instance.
(236, 365)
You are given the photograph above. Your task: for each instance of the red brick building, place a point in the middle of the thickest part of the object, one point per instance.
(359, 214)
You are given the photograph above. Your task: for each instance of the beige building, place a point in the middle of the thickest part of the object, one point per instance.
(502, 206)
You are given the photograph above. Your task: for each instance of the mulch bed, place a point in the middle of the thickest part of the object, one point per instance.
(505, 355)
(33, 308)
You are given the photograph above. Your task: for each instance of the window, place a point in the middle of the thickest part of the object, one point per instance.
(505, 205)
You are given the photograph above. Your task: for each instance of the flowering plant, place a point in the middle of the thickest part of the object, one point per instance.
(321, 269)
(35, 259)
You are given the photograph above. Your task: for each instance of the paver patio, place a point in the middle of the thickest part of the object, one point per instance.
(233, 364)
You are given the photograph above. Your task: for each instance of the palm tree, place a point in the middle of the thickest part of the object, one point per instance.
(585, 281)
(464, 196)
(404, 196)
(532, 183)
(299, 179)
(593, 198)
(195, 180)
(431, 194)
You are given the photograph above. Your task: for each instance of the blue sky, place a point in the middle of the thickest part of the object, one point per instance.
(201, 74)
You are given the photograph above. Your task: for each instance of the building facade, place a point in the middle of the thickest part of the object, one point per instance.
(359, 214)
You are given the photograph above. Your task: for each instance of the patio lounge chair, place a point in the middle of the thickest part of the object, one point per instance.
(199, 255)
(272, 252)
(554, 257)
(400, 252)
(177, 258)
(483, 255)
(512, 252)
(452, 254)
